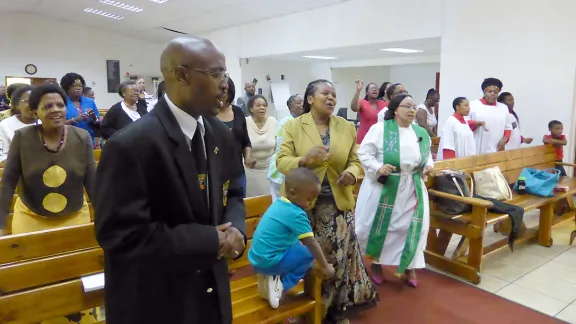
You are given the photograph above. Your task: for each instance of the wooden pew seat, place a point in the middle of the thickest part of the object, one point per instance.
(466, 260)
(40, 277)
(247, 305)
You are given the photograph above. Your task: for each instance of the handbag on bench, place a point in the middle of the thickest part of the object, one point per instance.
(453, 182)
(490, 183)
(540, 182)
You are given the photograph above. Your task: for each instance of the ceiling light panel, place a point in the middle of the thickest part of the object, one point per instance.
(320, 57)
(121, 5)
(103, 13)
(159, 1)
(402, 50)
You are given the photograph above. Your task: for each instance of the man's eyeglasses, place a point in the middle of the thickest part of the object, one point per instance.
(221, 75)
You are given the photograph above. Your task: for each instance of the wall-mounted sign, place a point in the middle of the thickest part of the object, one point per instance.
(113, 75)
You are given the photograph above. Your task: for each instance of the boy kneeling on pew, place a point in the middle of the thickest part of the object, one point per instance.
(276, 253)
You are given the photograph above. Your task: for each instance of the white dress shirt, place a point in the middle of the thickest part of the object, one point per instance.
(187, 123)
(188, 126)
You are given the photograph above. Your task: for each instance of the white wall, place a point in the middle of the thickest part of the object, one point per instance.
(344, 81)
(350, 23)
(58, 47)
(228, 41)
(523, 44)
(297, 74)
(417, 78)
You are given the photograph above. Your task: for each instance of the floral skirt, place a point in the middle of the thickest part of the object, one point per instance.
(350, 290)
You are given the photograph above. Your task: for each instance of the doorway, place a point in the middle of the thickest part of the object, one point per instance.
(28, 80)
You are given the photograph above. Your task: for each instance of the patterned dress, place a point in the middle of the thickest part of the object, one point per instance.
(351, 289)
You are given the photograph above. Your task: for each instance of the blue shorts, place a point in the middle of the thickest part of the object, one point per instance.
(295, 263)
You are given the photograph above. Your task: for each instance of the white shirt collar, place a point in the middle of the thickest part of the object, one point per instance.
(186, 122)
(134, 115)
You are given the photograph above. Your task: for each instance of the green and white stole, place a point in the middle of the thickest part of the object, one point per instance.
(381, 222)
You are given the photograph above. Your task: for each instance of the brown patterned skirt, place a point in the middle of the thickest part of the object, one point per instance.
(350, 290)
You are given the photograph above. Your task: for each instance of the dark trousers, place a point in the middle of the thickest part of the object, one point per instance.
(243, 183)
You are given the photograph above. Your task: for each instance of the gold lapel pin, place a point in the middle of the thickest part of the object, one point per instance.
(216, 150)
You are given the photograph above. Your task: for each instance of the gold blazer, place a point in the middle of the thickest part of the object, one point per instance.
(301, 135)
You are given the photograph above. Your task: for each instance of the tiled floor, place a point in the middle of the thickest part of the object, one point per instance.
(537, 277)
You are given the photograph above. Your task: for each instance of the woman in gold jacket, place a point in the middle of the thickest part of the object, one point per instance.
(326, 144)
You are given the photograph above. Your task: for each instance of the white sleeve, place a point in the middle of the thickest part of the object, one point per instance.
(447, 136)
(4, 143)
(509, 121)
(430, 161)
(472, 113)
(368, 150)
(381, 115)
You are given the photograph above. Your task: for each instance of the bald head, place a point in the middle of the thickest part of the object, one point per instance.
(250, 88)
(183, 51)
(194, 72)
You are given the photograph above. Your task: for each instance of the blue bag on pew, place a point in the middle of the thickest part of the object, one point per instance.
(540, 182)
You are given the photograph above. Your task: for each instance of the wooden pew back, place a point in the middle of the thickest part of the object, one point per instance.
(40, 273)
(511, 163)
(435, 143)
(255, 208)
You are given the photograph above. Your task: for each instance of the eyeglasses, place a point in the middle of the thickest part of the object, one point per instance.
(221, 75)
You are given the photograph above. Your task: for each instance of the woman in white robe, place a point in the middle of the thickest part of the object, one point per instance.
(495, 115)
(516, 138)
(411, 144)
(456, 136)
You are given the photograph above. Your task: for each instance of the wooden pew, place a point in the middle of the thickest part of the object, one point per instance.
(102, 112)
(40, 273)
(247, 305)
(435, 143)
(466, 261)
(40, 277)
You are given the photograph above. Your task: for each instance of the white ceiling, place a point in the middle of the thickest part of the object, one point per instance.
(429, 46)
(187, 16)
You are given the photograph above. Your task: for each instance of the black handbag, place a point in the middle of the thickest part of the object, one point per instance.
(453, 182)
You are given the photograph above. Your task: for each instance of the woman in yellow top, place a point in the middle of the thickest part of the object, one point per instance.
(326, 144)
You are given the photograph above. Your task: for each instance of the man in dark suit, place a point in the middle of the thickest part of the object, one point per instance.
(168, 203)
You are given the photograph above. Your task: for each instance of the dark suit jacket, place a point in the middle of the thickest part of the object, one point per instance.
(160, 243)
(116, 119)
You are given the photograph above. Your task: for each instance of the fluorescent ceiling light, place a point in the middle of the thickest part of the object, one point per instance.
(103, 13)
(320, 57)
(402, 50)
(159, 1)
(121, 5)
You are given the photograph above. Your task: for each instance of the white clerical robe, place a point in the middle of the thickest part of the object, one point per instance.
(381, 114)
(371, 155)
(456, 137)
(516, 135)
(497, 121)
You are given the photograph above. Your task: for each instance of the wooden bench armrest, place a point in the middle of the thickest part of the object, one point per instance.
(567, 164)
(466, 200)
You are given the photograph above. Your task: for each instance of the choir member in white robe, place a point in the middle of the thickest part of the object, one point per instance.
(371, 155)
(494, 115)
(392, 91)
(456, 136)
(516, 138)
